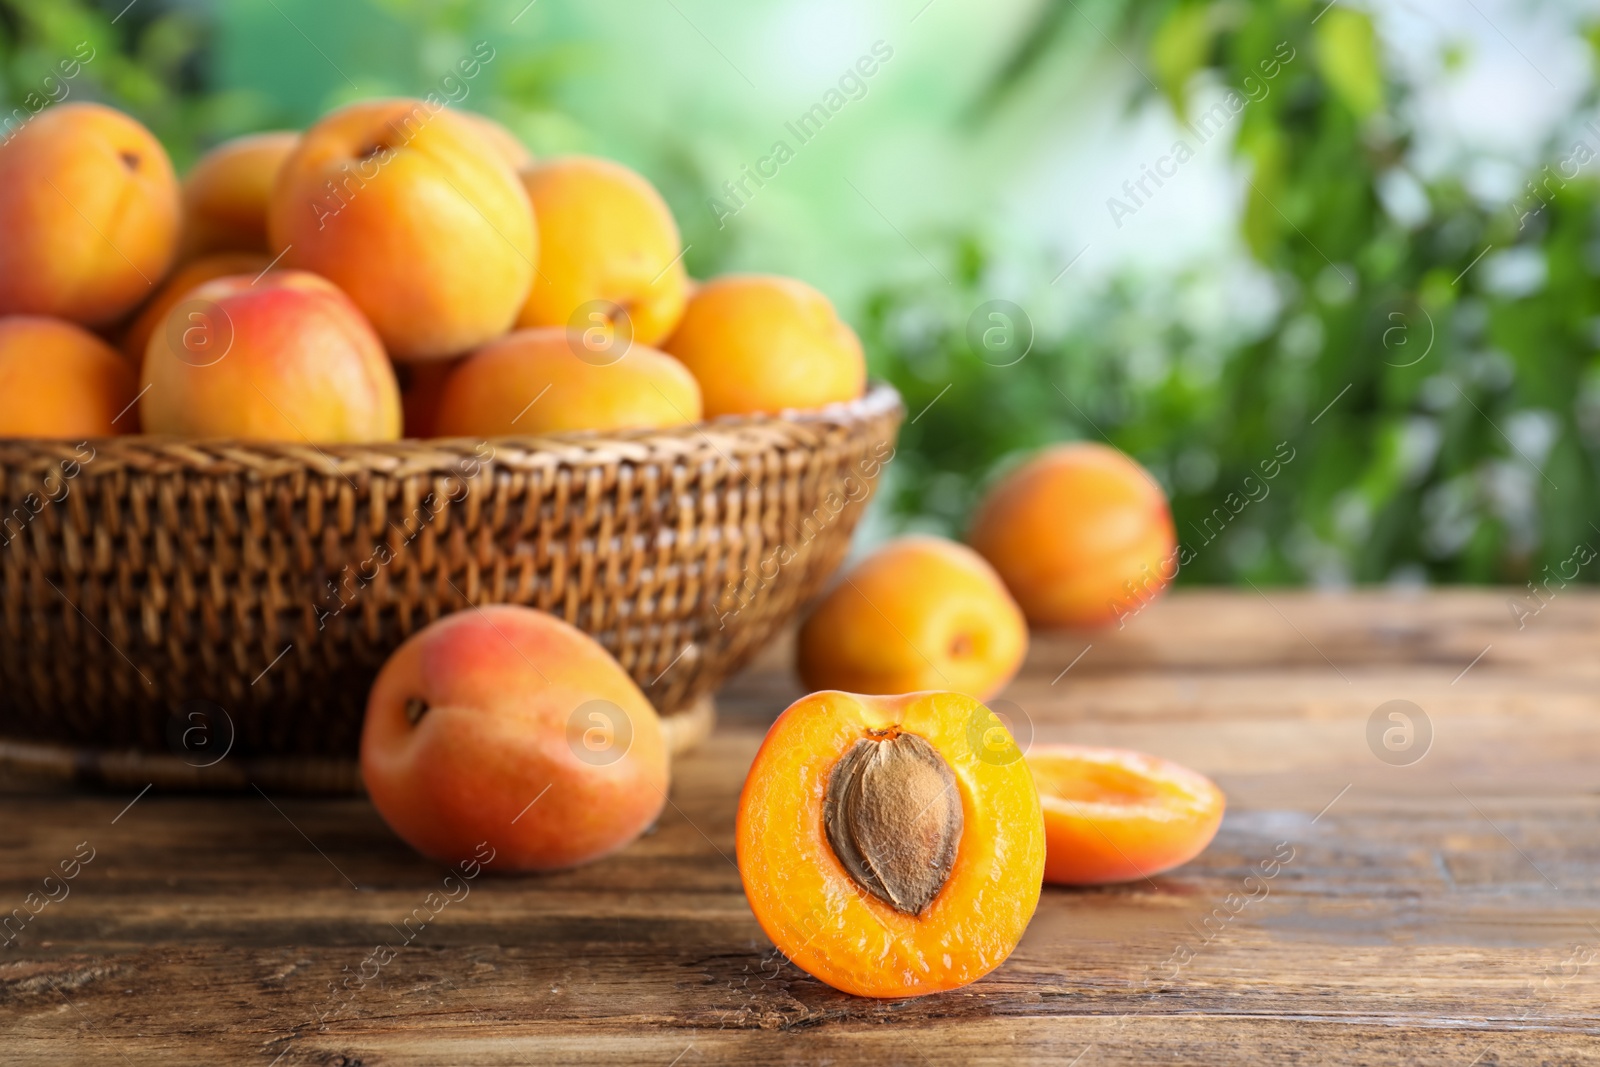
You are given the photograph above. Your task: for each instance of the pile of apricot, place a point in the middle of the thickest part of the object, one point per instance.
(398, 268)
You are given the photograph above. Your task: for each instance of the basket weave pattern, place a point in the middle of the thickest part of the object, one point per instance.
(140, 574)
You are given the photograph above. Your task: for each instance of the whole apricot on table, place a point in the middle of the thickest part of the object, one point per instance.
(88, 215)
(59, 380)
(282, 357)
(918, 613)
(226, 192)
(1113, 815)
(884, 848)
(606, 241)
(415, 215)
(505, 725)
(759, 343)
(1081, 534)
(541, 381)
(183, 281)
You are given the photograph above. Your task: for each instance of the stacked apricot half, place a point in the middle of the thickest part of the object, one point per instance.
(882, 850)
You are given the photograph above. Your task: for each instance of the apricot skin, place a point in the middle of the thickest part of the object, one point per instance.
(183, 281)
(88, 213)
(919, 613)
(225, 194)
(531, 382)
(1113, 815)
(829, 926)
(285, 358)
(604, 234)
(425, 226)
(1081, 535)
(505, 143)
(760, 343)
(59, 380)
(504, 688)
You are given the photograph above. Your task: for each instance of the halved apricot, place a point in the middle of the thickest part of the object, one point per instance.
(1112, 815)
(889, 846)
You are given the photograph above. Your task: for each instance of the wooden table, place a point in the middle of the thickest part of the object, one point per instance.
(1442, 912)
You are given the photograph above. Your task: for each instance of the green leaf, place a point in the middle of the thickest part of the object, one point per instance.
(1347, 54)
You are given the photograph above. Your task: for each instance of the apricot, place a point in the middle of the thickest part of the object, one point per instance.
(287, 357)
(535, 382)
(89, 213)
(186, 278)
(1112, 815)
(60, 380)
(881, 850)
(505, 725)
(759, 343)
(504, 142)
(919, 613)
(415, 215)
(1081, 534)
(606, 235)
(225, 194)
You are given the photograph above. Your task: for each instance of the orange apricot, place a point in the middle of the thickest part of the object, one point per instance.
(415, 215)
(919, 613)
(504, 142)
(759, 343)
(1112, 815)
(88, 213)
(535, 382)
(1081, 534)
(884, 849)
(606, 235)
(225, 194)
(505, 725)
(60, 380)
(286, 357)
(184, 280)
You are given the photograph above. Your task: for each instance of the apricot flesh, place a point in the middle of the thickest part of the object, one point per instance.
(812, 907)
(416, 216)
(535, 382)
(88, 213)
(1114, 815)
(286, 357)
(605, 235)
(918, 613)
(59, 380)
(506, 725)
(1081, 534)
(761, 343)
(226, 192)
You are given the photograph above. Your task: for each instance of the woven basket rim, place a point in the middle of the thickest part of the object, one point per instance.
(739, 433)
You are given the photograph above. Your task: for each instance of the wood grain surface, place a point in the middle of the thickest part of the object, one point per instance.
(1442, 910)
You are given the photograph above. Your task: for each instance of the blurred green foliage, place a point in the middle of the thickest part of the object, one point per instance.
(1431, 370)
(1442, 428)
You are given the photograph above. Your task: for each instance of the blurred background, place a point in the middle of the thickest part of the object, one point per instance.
(1356, 246)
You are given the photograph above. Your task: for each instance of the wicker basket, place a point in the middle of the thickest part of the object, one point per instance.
(166, 602)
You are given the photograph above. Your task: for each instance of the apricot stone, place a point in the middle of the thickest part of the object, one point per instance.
(535, 382)
(605, 234)
(1081, 534)
(88, 215)
(416, 216)
(758, 343)
(507, 726)
(225, 194)
(920, 613)
(285, 358)
(60, 380)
